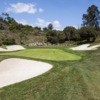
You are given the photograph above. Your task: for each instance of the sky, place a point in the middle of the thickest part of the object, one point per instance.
(61, 13)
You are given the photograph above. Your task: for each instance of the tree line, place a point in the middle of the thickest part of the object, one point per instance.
(12, 32)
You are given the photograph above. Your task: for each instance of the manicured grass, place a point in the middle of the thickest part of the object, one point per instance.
(68, 80)
(46, 54)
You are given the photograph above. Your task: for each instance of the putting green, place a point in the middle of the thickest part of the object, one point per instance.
(45, 54)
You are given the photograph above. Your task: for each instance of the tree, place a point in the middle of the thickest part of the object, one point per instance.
(50, 27)
(52, 36)
(9, 41)
(37, 30)
(61, 36)
(88, 34)
(1, 26)
(92, 18)
(55, 37)
(8, 22)
(45, 29)
(69, 32)
(7, 18)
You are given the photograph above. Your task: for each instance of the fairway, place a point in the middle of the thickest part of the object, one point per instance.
(45, 54)
(75, 76)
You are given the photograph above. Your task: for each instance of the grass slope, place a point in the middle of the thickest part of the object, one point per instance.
(68, 80)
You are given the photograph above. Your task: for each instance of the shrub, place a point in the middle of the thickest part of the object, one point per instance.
(88, 34)
(52, 36)
(8, 41)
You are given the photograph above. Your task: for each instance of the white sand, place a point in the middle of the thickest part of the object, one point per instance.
(15, 70)
(85, 47)
(12, 48)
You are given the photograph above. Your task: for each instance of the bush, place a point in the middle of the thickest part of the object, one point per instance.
(70, 33)
(52, 36)
(88, 33)
(61, 37)
(8, 41)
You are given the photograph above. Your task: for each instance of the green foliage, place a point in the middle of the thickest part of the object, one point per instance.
(61, 37)
(37, 30)
(92, 18)
(52, 36)
(88, 33)
(45, 29)
(12, 26)
(8, 41)
(1, 26)
(2, 36)
(69, 32)
(55, 37)
(24, 34)
(50, 26)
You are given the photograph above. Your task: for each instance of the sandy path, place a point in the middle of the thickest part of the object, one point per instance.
(85, 47)
(15, 70)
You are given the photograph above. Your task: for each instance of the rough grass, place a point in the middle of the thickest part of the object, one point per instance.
(68, 80)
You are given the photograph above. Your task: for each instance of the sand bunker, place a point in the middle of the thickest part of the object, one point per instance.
(85, 47)
(15, 70)
(12, 48)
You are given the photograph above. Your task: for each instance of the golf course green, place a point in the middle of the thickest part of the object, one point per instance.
(45, 54)
(75, 75)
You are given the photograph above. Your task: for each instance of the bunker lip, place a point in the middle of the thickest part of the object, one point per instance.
(14, 70)
(85, 47)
